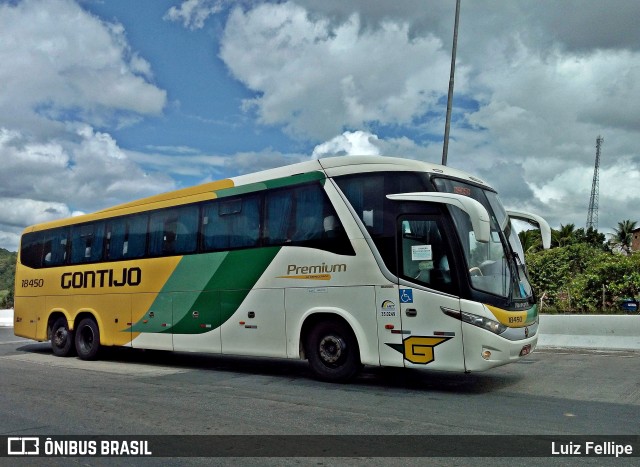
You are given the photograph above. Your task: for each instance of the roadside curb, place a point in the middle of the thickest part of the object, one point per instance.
(6, 318)
(612, 332)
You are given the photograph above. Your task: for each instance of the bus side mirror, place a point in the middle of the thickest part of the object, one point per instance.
(476, 211)
(545, 230)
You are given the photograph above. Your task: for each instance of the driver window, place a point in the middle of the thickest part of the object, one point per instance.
(424, 254)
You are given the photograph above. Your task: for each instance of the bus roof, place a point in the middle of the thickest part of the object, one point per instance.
(329, 167)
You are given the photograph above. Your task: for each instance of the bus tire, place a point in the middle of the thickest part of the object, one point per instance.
(87, 339)
(332, 350)
(62, 341)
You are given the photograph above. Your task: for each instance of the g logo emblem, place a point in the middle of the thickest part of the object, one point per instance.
(419, 349)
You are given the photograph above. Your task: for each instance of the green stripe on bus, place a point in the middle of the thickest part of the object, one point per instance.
(204, 291)
(277, 183)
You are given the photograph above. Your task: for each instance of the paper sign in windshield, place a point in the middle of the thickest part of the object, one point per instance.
(421, 253)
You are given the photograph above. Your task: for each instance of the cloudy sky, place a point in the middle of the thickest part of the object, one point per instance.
(105, 101)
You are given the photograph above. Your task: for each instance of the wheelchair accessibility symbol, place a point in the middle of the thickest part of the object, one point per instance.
(406, 295)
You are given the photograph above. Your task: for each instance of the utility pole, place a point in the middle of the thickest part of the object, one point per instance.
(445, 147)
(592, 213)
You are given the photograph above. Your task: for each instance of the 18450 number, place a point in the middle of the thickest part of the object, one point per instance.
(32, 283)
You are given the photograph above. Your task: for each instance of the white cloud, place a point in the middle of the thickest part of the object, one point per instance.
(535, 85)
(65, 61)
(180, 161)
(543, 114)
(358, 143)
(317, 79)
(193, 13)
(89, 173)
(18, 211)
(66, 69)
(45, 181)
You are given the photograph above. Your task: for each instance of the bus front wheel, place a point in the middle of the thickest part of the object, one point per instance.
(87, 339)
(332, 351)
(61, 338)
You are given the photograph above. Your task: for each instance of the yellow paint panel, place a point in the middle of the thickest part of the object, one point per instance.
(513, 319)
(53, 304)
(113, 313)
(155, 273)
(27, 316)
(111, 305)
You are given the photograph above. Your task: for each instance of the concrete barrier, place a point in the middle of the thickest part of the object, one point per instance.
(6, 318)
(607, 332)
(604, 332)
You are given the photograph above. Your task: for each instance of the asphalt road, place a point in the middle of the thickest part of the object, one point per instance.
(131, 392)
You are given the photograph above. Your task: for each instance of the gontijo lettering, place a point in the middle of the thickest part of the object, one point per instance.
(101, 278)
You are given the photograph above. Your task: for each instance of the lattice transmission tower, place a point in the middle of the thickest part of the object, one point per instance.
(592, 214)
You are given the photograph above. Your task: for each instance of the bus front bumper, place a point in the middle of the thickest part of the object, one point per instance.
(484, 350)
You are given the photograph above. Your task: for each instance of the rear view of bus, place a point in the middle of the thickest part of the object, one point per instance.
(343, 261)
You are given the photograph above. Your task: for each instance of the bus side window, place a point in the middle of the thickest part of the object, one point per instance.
(173, 231)
(187, 229)
(304, 216)
(126, 237)
(231, 223)
(162, 233)
(55, 247)
(86, 242)
(424, 255)
(366, 195)
(309, 214)
(31, 249)
(279, 211)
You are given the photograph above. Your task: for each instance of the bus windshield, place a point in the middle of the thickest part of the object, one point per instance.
(495, 267)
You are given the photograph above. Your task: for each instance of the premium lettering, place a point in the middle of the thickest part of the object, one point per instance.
(317, 269)
(101, 278)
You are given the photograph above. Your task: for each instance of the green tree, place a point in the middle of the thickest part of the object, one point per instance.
(7, 277)
(564, 236)
(7, 269)
(621, 237)
(531, 240)
(591, 237)
(584, 278)
(7, 301)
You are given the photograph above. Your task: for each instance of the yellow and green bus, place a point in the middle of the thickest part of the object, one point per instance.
(343, 261)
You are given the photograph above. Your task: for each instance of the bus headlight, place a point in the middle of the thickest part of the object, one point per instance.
(482, 322)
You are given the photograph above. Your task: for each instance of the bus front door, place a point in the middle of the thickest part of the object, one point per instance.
(430, 338)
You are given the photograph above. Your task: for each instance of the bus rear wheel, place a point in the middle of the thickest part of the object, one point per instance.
(62, 338)
(332, 351)
(87, 339)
